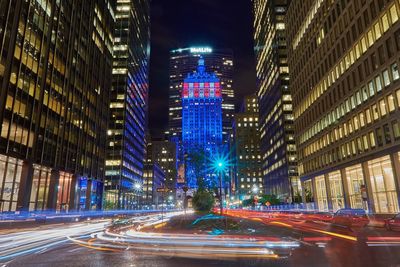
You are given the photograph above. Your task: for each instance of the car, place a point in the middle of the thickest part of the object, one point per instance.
(350, 218)
(393, 223)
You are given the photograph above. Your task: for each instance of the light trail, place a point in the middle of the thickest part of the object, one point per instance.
(138, 237)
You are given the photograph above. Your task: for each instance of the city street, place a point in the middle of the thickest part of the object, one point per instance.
(85, 244)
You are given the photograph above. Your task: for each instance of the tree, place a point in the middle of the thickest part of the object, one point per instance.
(203, 201)
(196, 163)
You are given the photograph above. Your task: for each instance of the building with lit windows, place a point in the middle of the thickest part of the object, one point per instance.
(278, 149)
(184, 61)
(153, 179)
(201, 120)
(163, 152)
(343, 60)
(247, 162)
(55, 73)
(126, 142)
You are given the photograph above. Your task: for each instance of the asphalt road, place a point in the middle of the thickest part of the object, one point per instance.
(320, 245)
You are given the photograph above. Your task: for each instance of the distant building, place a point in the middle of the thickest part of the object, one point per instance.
(126, 142)
(278, 148)
(201, 119)
(182, 62)
(153, 179)
(344, 72)
(55, 79)
(163, 152)
(247, 162)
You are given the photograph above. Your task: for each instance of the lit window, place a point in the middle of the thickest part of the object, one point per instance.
(386, 79)
(390, 100)
(382, 106)
(395, 71)
(378, 83)
(393, 14)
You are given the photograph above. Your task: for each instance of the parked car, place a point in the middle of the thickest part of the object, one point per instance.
(393, 223)
(350, 218)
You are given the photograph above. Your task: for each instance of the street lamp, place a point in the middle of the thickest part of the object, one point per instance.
(220, 166)
(255, 190)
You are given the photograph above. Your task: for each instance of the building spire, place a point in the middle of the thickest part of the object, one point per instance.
(201, 68)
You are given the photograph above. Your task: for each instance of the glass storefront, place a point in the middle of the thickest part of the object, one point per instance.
(355, 179)
(64, 191)
(10, 177)
(336, 190)
(383, 185)
(322, 199)
(40, 188)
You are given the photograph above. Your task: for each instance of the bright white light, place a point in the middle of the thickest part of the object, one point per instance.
(200, 50)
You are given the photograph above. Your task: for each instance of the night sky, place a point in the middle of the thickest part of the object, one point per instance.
(183, 23)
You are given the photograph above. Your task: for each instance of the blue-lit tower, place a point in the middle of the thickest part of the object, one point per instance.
(201, 118)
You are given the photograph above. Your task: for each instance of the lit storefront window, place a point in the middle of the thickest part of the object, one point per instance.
(355, 180)
(64, 191)
(383, 185)
(322, 198)
(336, 190)
(40, 188)
(10, 177)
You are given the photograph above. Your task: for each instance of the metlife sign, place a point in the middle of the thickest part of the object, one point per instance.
(200, 50)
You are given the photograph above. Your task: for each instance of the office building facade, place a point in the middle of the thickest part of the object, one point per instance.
(153, 179)
(246, 145)
(55, 73)
(126, 142)
(163, 152)
(201, 121)
(278, 148)
(343, 60)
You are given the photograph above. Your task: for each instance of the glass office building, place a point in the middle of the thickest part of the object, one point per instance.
(343, 60)
(278, 148)
(55, 78)
(126, 142)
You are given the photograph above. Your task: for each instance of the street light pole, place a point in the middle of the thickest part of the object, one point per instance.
(220, 192)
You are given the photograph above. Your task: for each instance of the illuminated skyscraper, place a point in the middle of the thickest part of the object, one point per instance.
(344, 71)
(201, 117)
(184, 61)
(126, 144)
(55, 79)
(163, 152)
(278, 149)
(247, 160)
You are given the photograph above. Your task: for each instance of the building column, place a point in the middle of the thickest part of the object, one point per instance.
(367, 180)
(345, 188)
(88, 194)
(395, 159)
(74, 194)
(328, 192)
(314, 193)
(25, 186)
(53, 190)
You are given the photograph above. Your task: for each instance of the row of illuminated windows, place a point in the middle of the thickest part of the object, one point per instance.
(378, 137)
(374, 33)
(253, 179)
(249, 157)
(306, 23)
(249, 124)
(274, 166)
(367, 91)
(373, 113)
(250, 185)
